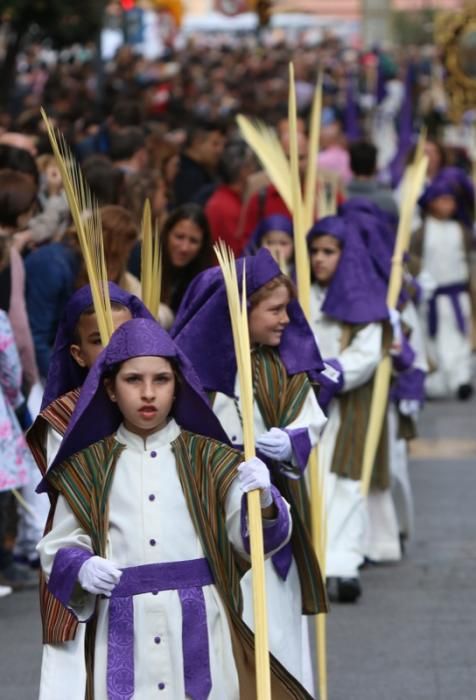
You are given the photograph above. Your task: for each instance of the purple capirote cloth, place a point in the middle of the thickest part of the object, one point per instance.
(351, 115)
(64, 574)
(188, 579)
(409, 385)
(64, 373)
(376, 231)
(202, 328)
(355, 294)
(273, 534)
(452, 181)
(396, 168)
(404, 359)
(273, 222)
(96, 416)
(452, 291)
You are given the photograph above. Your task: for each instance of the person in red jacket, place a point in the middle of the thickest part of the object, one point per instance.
(266, 200)
(225, 208)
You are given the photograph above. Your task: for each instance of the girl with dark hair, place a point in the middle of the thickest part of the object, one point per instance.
(187, 251)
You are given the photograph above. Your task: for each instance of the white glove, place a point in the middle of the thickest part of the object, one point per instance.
(254, 474)
(99, 576)
(409, 407)
(367, 102)
(397, 341)
(275, 444)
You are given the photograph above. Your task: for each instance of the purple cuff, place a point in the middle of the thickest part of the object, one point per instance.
(275, 532)
(301, 446)
(328, 388)
(409, 385)
(64, 575)
(405, 357)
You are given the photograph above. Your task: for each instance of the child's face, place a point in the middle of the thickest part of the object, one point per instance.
(443, 207)
(268, 319)
(144, 390)
(325, 256)
(279, 244)
(87, 330)
(53, 177)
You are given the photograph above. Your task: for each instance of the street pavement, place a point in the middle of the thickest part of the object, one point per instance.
(412, 635)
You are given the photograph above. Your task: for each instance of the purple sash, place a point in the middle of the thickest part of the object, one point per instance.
(452, 291)
(187, 578)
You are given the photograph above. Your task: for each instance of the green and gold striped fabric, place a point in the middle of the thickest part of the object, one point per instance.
(280, 398)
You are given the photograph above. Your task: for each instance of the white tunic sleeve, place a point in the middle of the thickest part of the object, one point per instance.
(360, 360)
(65, 533)
(311, 416)
(53, 443)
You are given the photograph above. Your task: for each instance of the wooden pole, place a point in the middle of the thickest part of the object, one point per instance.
(412, 185)
(303, 218)
(239, 324)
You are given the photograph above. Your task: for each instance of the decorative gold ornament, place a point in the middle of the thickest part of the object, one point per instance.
(455, 34)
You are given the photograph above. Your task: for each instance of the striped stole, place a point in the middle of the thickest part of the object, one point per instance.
(354, 409)
(57, 415)
(280, 399)
(85, 480)
(349, 447)
(206, 470)
(58, 624)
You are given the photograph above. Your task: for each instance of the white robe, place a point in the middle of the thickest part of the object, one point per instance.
(347, 511)
(385, 135)
(401, 484)
(135, 521)
(444, 261)
(68, 656)
(288, 642)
